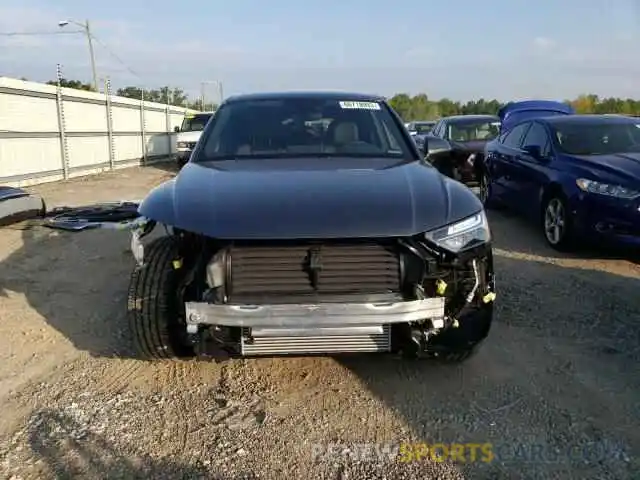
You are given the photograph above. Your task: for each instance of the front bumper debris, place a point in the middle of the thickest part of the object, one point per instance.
(305, 316)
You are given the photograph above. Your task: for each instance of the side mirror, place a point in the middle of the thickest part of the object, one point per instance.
(176, 129)
(534, 151)
(435, 147)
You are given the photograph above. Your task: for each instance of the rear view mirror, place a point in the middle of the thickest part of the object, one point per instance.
(176, 129)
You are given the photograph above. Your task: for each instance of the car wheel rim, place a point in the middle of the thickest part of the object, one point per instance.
(554, 221)
(484, 189)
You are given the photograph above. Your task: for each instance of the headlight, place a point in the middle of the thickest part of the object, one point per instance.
(182, 144)
(467, 233)
(605, 189)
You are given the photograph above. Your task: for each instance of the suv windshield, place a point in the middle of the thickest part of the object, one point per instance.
(195, 123)
(601, 138)
(474, 131)
(303, 126)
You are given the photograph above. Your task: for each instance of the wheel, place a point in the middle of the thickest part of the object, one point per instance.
(486, 193)
(485, 189)
(556, 224)
(153, 305)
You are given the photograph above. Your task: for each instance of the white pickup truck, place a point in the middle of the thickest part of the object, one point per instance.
(188, 134)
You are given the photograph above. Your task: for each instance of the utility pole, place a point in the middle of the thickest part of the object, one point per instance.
(87, 31)
(220, 93)
(218, 83)
(93, 57)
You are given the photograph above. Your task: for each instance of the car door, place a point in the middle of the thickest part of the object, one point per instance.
(500, 161)
(529, 172)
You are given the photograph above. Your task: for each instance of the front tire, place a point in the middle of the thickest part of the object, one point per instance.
(556, 223)
(485, 189)
(153, 305)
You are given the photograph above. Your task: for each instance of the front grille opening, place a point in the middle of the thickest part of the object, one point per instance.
(289, 272)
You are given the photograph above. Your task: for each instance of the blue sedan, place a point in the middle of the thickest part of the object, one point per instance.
(578, 176)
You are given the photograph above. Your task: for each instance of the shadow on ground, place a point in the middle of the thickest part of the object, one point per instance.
(68, 449)
(555, 389)
(77, 282)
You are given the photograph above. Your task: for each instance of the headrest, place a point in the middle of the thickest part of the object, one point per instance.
(345, 132)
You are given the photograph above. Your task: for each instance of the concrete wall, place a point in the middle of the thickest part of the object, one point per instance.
(49, 133)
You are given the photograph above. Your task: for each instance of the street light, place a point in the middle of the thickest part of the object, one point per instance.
(209, 82)
(87, 31)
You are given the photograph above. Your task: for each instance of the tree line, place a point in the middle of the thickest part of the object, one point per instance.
(420, 107)
(416, 107)
(167, 95)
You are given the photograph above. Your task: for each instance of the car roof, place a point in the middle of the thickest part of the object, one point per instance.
(455, 118)
(317, 94)
(592, 119)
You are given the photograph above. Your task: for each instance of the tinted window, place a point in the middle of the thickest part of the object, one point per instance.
(601, 138)
(469, 131)
(293, 127)
(195, 123)
(442, 129)
(513, 138)
(537, 135)
(423, 127)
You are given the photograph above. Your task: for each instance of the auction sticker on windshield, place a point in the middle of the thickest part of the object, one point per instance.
(360, 105)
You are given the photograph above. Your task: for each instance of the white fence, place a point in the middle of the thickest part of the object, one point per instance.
(49, 133)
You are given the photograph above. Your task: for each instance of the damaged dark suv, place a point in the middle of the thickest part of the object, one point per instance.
(309, 223)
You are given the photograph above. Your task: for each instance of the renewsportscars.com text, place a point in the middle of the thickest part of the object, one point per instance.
(488, 452)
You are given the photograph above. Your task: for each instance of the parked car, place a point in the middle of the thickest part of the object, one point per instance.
(420, 127)
(288, 238)
(188, 133)
(577, 176)
(456, 144)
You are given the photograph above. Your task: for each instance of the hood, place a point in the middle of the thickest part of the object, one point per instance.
(621, 166)
(188, 136)
(515, 112)
(290, 203)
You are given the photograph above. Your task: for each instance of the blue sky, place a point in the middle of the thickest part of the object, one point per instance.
(461, 50)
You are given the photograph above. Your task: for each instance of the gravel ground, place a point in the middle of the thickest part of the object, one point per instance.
(555, 390)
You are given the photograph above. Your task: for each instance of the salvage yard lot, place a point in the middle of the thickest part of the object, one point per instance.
(555, 390)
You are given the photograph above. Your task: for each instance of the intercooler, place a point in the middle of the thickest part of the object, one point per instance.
(335, 340)
(314, 272)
